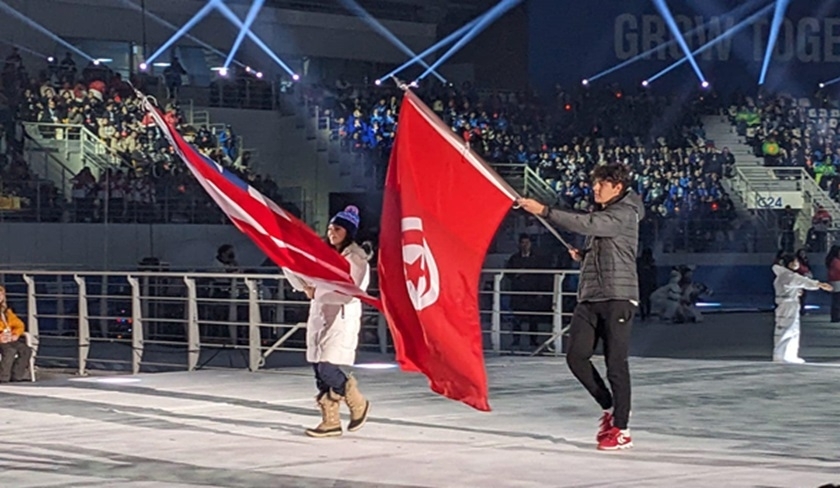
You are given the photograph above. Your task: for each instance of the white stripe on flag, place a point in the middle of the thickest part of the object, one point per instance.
(461, 146)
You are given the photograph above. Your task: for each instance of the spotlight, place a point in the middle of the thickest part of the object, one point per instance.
(822, 85)
(705, 84)
(248, 69)
(259, 74)
(144, 66)
(223, 72)
(645, 83)
(296, 77)
(585, 82)
(377, 82)
(414, 84)
(96, 62)
(50, 59)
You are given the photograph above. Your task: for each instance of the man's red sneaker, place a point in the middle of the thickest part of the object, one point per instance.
(615, 439)
(606, 425)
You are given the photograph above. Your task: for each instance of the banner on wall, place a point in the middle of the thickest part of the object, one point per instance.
(776, 200)
(807, 50)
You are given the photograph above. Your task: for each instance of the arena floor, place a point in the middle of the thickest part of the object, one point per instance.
(695, 423)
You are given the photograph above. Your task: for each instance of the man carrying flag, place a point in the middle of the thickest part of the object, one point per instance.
(607, 296)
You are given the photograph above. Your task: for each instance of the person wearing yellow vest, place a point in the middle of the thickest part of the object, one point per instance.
(14, 353)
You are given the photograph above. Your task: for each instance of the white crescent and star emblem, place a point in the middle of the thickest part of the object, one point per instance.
(421, 271)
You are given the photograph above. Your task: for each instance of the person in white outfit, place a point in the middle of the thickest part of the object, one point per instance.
(665, 300)
(332, 332)
(788, 286)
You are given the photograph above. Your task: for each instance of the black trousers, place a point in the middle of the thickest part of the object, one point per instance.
(14, 360)
(835, 307)
(329, 377)
(609, 322)
(526, 323)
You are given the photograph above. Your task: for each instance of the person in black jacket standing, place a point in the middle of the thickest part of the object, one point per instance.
(608, 293)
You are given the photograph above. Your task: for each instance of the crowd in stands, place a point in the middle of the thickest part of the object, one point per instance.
(785, 131)
(143, 181)
(789, 131)
(676, 171)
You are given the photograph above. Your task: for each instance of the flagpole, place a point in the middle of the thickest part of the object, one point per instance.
(488, 170)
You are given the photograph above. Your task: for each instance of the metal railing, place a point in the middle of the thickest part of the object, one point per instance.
(151, 320)
(45, 165)
(536, 186)
(38, 201)
(245, 94)
(749, 180)
(98, 155)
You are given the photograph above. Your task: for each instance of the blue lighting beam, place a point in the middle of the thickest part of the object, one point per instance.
(24, 49)
(172, 26)
(360, 12)
(830, 82)
(778, 18)
(737, 13)
(43, 30)
(246, 27)
(227, 12)
(184, 29)
(435, 47)
(662, 7)
(731, 32)
(492, 15)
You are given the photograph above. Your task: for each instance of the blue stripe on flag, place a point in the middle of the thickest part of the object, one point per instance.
(230, 175)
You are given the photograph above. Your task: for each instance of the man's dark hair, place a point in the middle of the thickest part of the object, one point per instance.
(614, 173)
(524, 236)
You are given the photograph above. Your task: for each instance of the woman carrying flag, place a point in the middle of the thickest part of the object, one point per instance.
(332, 332)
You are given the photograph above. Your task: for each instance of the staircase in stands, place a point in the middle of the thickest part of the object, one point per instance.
(753, 177)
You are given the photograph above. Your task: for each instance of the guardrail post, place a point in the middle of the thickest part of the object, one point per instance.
(496, 316)
(557, 321)
(136, 326)
(84, 325)
(59, 305)
(382, 333)
(32, 313)
(193, 338)
(233, 316)
(146, 306)
(280, 308)
(103, 306)
(254, 320)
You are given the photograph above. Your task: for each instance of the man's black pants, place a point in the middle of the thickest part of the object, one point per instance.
(610, 323)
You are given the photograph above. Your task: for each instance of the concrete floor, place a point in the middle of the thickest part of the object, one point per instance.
(695, 423)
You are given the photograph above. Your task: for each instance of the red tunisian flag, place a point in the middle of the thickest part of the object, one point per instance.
(287, 241)
(442, 207)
